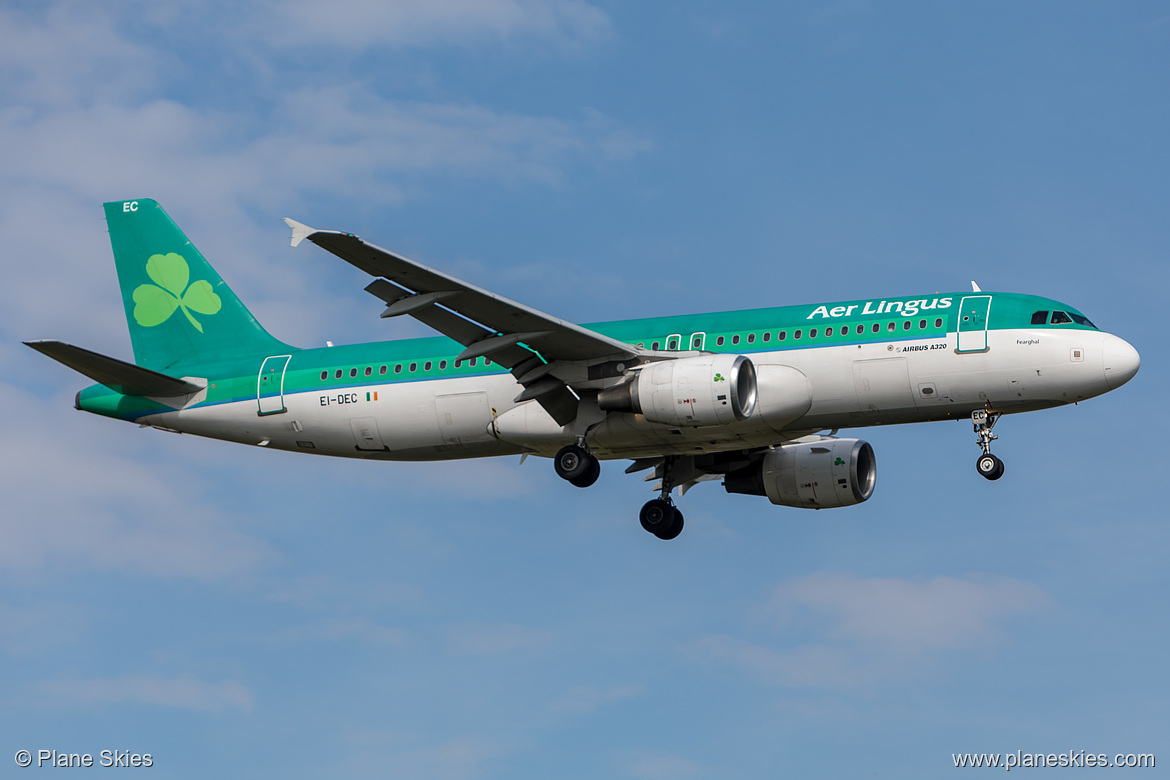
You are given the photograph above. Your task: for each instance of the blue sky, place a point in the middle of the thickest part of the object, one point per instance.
(253, 613)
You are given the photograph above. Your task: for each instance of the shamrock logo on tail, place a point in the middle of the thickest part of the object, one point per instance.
(155, 303)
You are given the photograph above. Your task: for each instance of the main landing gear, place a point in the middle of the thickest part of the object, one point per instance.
(987, 465)
(660, 516)
(577, 465)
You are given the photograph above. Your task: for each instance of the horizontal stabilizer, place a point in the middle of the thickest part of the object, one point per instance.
(119, 376)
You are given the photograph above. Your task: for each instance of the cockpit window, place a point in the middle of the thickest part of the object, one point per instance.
(1079, 320)
(1060, 318)
(1040, 318)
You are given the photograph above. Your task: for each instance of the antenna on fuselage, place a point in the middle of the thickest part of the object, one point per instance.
(975, 287)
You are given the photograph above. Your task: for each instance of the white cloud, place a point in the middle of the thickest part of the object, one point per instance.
(348, 631)
(660, 766)
(587, 698)
(182, 692)
(873, 631)
(806, 666)
(909, 616)
(214, 170)
(359, 24)
(71, 501)
(456, 759)
(495, 639)
(67, 54)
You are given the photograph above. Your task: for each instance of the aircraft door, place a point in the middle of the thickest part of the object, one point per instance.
(698, 340)
(270, 385)
(973, 314)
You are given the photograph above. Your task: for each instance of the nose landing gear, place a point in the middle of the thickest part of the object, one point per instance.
(988, 466)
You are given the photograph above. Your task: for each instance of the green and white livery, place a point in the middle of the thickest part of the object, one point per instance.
(743, 397)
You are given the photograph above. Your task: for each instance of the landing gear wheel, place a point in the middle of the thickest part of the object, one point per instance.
(590, 476)
(657, 515)
(660, 518)
(573, 462)
(989, 466)
(675, 530)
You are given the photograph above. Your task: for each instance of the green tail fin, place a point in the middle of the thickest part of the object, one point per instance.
(179, 310)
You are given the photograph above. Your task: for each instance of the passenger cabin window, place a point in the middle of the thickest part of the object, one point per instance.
(672, 343)
(413, 367)
(369, 370)
(473, 361)
(812, 334)
(719, 341)
(938, 322)
(324, 374)
(1040, 318)
(796, 334)
(353, 372)
(891, 326)
(906, 325)
(767, 336)
(751, 338)
(781, 335)
(1060, 318)
(921, 324)
(654, 346)
(397, 368)
(698, 342)
(382, 370)
(828, 331)
(876, 327)
(427, 366)
(442, 364)
(735, 339)
(337, 374)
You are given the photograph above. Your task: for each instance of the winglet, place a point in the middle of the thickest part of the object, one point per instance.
(299, 231)
(974, 287)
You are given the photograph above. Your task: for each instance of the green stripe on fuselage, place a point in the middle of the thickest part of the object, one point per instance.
(235, 380)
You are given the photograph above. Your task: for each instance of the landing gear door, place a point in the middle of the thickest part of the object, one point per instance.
(270, 385)
(973, 314)
(366, 434)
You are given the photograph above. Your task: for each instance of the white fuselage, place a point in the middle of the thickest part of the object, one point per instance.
(848, 386)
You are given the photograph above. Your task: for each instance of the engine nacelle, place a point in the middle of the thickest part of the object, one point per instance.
(811, 474)
(704, 390)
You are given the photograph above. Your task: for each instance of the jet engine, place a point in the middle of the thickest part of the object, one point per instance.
(817, 474)
(705, 390)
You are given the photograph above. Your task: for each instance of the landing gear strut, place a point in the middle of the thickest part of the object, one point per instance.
(987, 465)
(577, 465)
(660, 516)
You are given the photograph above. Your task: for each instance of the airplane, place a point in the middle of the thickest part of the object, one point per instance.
(754, 398)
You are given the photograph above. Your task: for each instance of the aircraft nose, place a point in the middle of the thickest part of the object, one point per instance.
(1121, 361)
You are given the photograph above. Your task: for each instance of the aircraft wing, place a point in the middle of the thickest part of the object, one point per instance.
(520, 338)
